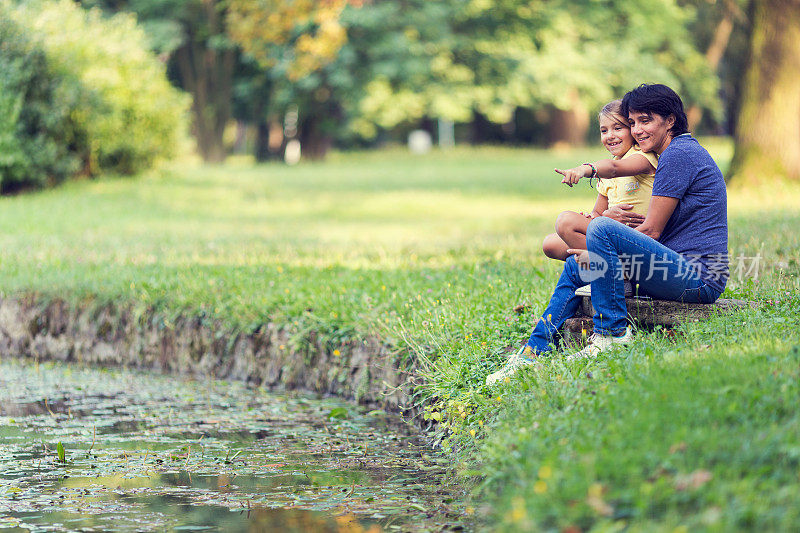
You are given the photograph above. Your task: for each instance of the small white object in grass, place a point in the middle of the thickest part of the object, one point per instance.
(292, 153)
(419, 142)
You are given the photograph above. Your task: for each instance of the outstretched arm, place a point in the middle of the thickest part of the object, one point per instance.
(608, 168)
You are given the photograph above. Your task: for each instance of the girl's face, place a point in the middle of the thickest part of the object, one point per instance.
(615, 136)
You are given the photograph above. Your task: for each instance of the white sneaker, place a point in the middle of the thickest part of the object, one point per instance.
(600, 343)
(521, 359)
(586, 290)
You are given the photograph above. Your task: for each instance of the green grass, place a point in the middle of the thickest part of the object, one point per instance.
(700, 433)
(337, 245)
(431, 254)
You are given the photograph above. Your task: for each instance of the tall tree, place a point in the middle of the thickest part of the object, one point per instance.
(767, 135)
(192, 35)
(296, 41)
(365, 66)
(721, 29)
(205, 61)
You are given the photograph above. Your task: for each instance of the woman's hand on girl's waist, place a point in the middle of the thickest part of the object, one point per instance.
(623, 213)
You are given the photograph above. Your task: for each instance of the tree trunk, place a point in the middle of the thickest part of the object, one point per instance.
(257, 113)
(568, 127)
(240, 143)
(269, 140)
(261, 142)
(318, 120)
(207, 73)
(314, 141)
(479, 128)
(716, 49)
(768, 129)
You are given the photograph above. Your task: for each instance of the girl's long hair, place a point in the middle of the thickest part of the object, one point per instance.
(613, 110)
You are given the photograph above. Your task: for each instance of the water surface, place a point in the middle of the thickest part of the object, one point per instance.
(145, 452)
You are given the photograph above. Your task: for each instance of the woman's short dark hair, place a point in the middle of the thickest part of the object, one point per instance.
(659, 99)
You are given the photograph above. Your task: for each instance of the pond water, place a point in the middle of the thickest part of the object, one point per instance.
(85, 449)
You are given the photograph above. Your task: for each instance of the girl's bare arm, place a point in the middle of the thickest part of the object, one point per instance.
(630, 166)
(608, 168)
(600, 205)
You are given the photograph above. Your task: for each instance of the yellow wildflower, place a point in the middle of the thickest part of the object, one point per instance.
(518, 512)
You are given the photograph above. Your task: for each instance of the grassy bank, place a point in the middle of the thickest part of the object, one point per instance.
(432, 254)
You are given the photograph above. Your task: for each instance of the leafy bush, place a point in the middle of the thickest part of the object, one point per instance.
(126, 115)
(35, 126)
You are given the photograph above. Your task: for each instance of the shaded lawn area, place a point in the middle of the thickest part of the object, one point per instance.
(431, 254)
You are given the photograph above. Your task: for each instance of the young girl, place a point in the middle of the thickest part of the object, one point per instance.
(633, 172)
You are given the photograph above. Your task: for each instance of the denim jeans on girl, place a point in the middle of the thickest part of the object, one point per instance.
(614, 247)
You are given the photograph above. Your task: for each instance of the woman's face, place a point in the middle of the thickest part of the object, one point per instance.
(615, 136)
(651, 131)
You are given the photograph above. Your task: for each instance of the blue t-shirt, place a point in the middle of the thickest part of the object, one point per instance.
(698, 228)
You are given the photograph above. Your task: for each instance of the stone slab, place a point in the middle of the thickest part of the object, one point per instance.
(648, 313)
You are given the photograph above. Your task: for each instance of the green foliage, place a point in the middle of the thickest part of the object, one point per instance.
(339, 413)
(405, 64)
(406, 61)
(448, 59)
(126, 115)
(695, 431)
(402, 62)
(35, 127)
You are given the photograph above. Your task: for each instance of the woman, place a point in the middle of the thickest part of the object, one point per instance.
(679, 252)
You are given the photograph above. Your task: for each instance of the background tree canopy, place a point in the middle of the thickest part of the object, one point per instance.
(403, 62)
(361, 72)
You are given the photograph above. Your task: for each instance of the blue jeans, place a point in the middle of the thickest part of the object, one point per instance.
(614, 249)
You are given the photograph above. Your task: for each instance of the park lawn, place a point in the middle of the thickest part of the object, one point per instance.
(431, 254)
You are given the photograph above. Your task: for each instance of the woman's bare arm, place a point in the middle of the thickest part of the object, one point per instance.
(661, 208)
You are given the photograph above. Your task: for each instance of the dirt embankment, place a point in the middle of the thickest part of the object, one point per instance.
(365, 371)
